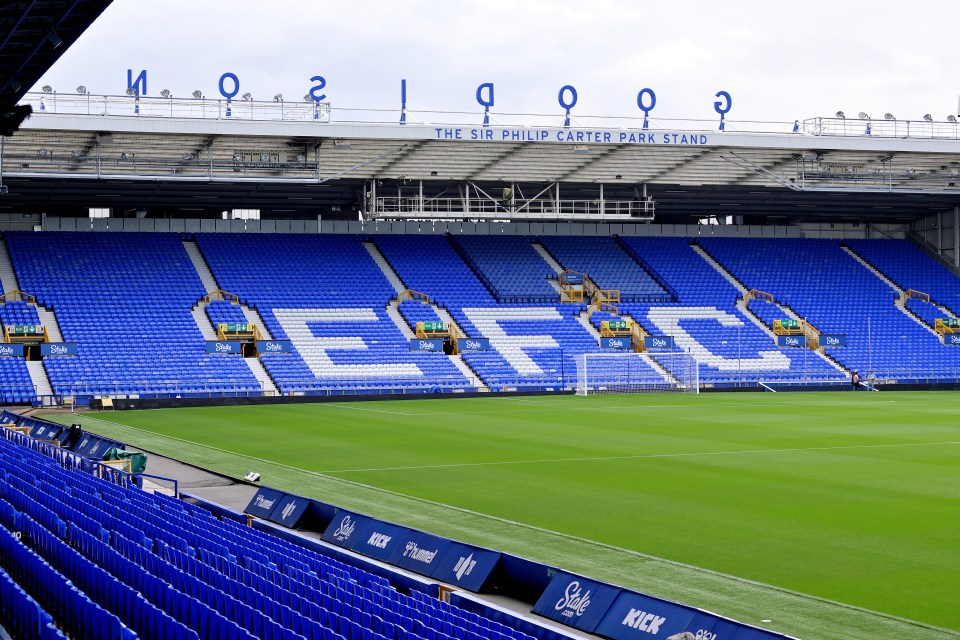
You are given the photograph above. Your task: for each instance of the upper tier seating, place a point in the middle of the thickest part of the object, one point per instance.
(327, 295)
(126, 300)
(224, 312)
(15, 383)
(838, 295)
(909, 267)
(606, 264)
(115, 563)
(705, 320)
(430, 265)
(512, 266)
(414, 311)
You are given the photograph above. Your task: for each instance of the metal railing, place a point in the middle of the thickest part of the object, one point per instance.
(534, 209)
(185, 108)
(324, 112)
(881, 128)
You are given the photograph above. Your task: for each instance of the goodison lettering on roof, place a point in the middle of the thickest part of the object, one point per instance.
(229, 87)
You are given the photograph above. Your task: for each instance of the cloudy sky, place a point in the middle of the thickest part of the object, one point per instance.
(780, 61)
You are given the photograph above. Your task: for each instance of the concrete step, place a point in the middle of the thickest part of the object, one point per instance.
(199, 314)
(899, 302)
(584, 320)
(260, 373)
(388, 271)
(741, 305)
(49, 319)
(200, 264)
(468, 373)
(253, 317)
(38, 376)
(542, 250)
(393, 312)
(8, 277)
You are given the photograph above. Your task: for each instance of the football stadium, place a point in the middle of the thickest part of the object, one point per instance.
(274, 369)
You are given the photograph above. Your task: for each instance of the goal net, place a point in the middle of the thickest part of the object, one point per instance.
(629, 372)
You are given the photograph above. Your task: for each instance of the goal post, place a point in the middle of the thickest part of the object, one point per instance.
(630, 372)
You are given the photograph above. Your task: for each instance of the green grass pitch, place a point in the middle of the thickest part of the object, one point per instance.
(833, 515)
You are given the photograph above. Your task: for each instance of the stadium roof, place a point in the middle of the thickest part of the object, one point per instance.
(33, 35)
(291, 160)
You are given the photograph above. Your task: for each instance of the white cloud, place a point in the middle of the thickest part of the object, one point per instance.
(779, 61)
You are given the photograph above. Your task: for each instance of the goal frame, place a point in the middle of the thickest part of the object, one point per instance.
(678, 372)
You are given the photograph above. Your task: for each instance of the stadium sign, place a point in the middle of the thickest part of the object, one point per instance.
(58, 349)
(264, 502)
(567, 96)
(951, 339)
(833, 340)
(576, 602)
(473, 344)
(791, 341)
(659, 343)
(465, 566)
(288, 510)
(420, 552)
(223, 347)
(426, 345)
(379, 540)
(633, 615)
(11, 350)
(614, 343)
(274, 346)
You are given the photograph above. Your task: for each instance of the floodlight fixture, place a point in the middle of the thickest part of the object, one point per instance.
(126, 155)
(308, 98)
(54, 39)
(131, 91)
(581, 149)
(951, 118)
(197, 94)
(166, 93)
(888, 116)
(863, 115)
(46, 88)
(278, 97)
(927, 117)
(42, 153)
(247, 96)
(82, 90)
(841, 115)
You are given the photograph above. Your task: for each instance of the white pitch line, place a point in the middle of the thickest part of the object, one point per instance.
(643, 457)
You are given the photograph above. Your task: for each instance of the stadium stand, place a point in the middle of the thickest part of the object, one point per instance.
(224, 312)
(328, 296)
(728, 345)
(15, 383)
(532, 346)
(431, 265)
(606, 264)
(906, 265)
(88, 547)
(838, 295)
(515, 271)
(126, 302)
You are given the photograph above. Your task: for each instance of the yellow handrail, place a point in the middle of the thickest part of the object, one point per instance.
(913, 293)
(18, 296)
(220, 294)
(410, 294)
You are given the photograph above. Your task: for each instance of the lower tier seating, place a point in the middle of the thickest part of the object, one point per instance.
(98, 560)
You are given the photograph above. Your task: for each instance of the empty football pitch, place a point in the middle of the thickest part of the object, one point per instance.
(833, 515)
